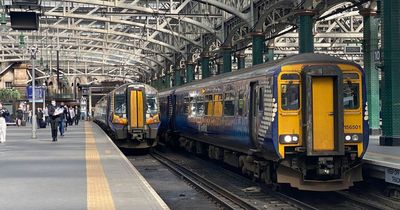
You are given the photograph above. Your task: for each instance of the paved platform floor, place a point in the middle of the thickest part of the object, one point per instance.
(386, 156)
(83, 170)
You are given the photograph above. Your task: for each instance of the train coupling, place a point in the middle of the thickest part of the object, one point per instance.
(325, 166)
(137, 134)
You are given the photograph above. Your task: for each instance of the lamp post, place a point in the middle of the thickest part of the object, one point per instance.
(33, 51)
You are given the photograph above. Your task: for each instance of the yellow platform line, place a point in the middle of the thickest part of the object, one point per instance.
(98, 191)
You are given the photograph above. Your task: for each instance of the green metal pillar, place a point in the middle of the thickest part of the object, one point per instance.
(391, 74)
(167, 83)
(258, 47)
(241, 61)
(227, 59)
(220, 67)
(189, 72)
(205, 66)
(270, 54)
(177, 78)
(306, 38)
(370, 46)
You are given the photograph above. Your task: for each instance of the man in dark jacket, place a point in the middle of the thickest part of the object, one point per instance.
(54, 119)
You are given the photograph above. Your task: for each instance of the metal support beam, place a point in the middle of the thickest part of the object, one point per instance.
(241, 60)
(306, 38)
(258, 47)
(205, 65)
(391, 77)
(190, 72)
(227, 59)
(370, 46)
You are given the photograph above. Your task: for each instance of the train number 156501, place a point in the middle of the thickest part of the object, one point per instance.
(352, 127)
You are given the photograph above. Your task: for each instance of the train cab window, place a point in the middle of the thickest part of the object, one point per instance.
(241, 104)
(152, 104)
(120, 104)
(217, 105)
(229, 105)
(351, 93)
(208, 105)
(290, 96)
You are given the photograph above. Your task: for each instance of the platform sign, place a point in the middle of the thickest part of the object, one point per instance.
(352, 50)
(392, 175)
(39, 90)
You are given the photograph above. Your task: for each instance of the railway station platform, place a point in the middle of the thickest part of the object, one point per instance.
(382, 162)
(82, 170)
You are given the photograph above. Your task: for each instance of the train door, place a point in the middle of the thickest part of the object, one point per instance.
(136, 111)
(323, 110)
(254, 111)
(171, 111)
(110, 108)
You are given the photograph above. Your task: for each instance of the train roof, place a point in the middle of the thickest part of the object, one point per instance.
(269, 67)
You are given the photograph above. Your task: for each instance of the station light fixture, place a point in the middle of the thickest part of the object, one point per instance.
(26, 2)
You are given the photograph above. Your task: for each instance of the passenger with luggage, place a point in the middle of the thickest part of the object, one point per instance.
(3, 125)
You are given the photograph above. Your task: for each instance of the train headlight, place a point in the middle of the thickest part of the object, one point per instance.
(289, 139)
(348, 137)
(295, 139)
(353, 137)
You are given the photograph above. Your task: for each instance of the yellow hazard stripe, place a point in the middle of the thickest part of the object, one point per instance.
(98, 191)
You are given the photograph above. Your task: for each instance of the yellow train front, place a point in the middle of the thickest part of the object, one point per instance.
(302, 120)
(131, 114)
(322, 124)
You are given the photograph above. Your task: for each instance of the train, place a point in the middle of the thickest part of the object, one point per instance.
(130, 115)
(301, 120)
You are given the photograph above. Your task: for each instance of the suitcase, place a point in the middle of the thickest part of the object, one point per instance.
(42, 124)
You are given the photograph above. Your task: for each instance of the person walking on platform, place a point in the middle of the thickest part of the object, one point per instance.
(19, 116)
(71, 115)
(39, 119)
(77, 115)
(54, 117)
(62, 119)
(66, 117)
(3, 125)
(46, 115)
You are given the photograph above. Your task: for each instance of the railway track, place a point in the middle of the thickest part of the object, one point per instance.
(250, 197)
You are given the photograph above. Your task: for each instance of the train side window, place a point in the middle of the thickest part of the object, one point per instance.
(186, 105)
(351, 97)
(217, 105)
(241, 103)
(192, 107)
(208, 105)
(229, 105)
(200, 106)
(290, 96)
